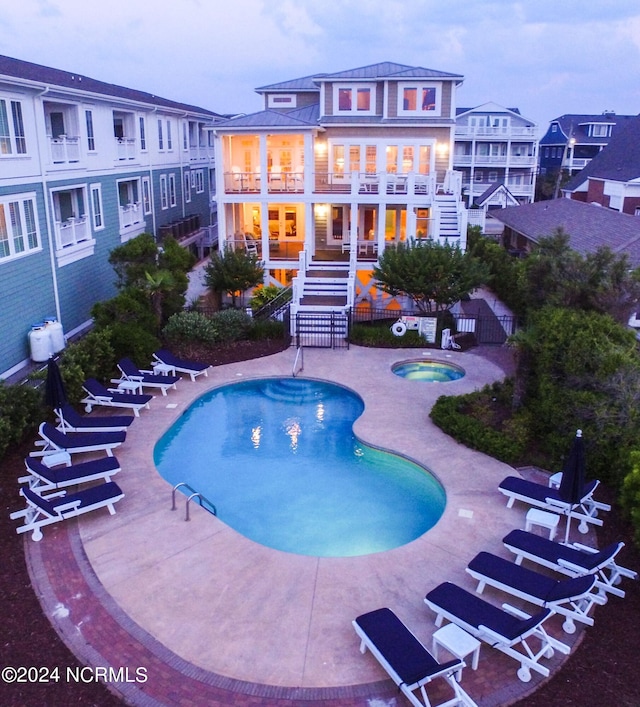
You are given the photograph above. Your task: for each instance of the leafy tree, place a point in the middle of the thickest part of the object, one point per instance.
(232, 271)
(555, 274)
(433, 275)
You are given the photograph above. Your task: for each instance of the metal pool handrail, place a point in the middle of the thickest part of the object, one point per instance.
(299, 355)
(194, 494)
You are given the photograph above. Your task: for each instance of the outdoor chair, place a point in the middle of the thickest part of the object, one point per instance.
(572, 598)
(506, 629)
(407, 662)
(58, 506)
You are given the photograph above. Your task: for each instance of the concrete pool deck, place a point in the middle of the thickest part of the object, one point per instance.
(205, 609)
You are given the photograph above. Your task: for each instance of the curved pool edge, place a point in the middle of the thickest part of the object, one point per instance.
(331, 592)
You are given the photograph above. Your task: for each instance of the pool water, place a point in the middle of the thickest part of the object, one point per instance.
(279, 460)
(428, 371)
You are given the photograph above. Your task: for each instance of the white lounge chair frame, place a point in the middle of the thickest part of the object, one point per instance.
(114, 398)
(50, 446)
(448, 672)
(608, 574)
(173, 367)
(586, 511)
(36, 517)
(573, 609)
(529, 659)
(98, 470)
(146, 379)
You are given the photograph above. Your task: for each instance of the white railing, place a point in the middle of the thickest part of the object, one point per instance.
(126, 148)
(130, 215)
(64, 149)
(496, 160)
(502, 131)
(72, 231)
(200, 153)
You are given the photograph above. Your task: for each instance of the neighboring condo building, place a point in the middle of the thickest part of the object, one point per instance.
(337, 167)
(573, 140)
(495, 146)
(85, 166)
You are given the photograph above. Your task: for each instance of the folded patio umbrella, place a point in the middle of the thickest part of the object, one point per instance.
(55, 393)
(573, 476)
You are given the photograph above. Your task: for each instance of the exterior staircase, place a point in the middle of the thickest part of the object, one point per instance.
(321, 295)
(452, 218)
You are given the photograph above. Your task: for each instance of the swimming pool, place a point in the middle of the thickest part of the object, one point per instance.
(278, 458)
(428, 371)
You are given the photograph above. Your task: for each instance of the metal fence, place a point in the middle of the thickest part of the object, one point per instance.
(328, 330)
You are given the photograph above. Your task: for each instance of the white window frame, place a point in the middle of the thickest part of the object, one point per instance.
(185, 136)
(160, 136)
(164, 194)
(91, 137)
(282, 100)
(143, 133)
(173, 199)
(169, 137)
(147, 196)
(30, 244)
(186, 179)
(79, 248)
(199, 181)
(354, 88)
(15, 138)
(419, 86)
(97, 209)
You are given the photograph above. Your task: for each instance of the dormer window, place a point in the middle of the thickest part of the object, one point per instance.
(418, 99)
(354, 99)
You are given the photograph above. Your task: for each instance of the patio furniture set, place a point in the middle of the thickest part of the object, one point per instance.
(52, 469)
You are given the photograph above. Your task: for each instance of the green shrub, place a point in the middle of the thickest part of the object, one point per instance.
(266, 329)
(90, 357)
(22, 410)
(380, 334)
(191, 327)
(262, 295)
(133, 341)
(472, 420)
(232, 324)
(630, 495)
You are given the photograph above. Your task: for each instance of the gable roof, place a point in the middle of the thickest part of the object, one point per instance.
(619, 161)
(372, 72)
(589, 226)
(492, 190)
(575, 125)
(302, 118)
(46, 76)
(489, 107)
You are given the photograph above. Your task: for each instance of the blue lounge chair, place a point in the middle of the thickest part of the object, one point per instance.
(572, 598)
(405, 659)
(166, 362)
(58, 506)
(574, 560)
(549, 499)
(43, 478)
(71, 421)
(147, 379)
(76, 442)
(505, 628)
(97, 394)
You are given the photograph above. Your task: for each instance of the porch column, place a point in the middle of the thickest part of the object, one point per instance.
(222, 227)
(264, 172)
(353, 226)
(309, 229)
(411, 222)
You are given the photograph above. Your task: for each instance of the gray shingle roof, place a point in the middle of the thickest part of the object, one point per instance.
(575, 125)
(305, 117)
(383, 70)
(619, 161)
(589, 226)
(16, 68)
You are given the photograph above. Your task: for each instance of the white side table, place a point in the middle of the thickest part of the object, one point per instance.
(130, 387)
(56, 459)
(544, 519)
(459, 643)
(163, 369)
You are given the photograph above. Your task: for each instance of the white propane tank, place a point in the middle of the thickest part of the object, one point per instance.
(56, 333)
(40, 343)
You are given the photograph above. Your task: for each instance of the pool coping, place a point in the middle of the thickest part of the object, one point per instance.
(61, 571)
